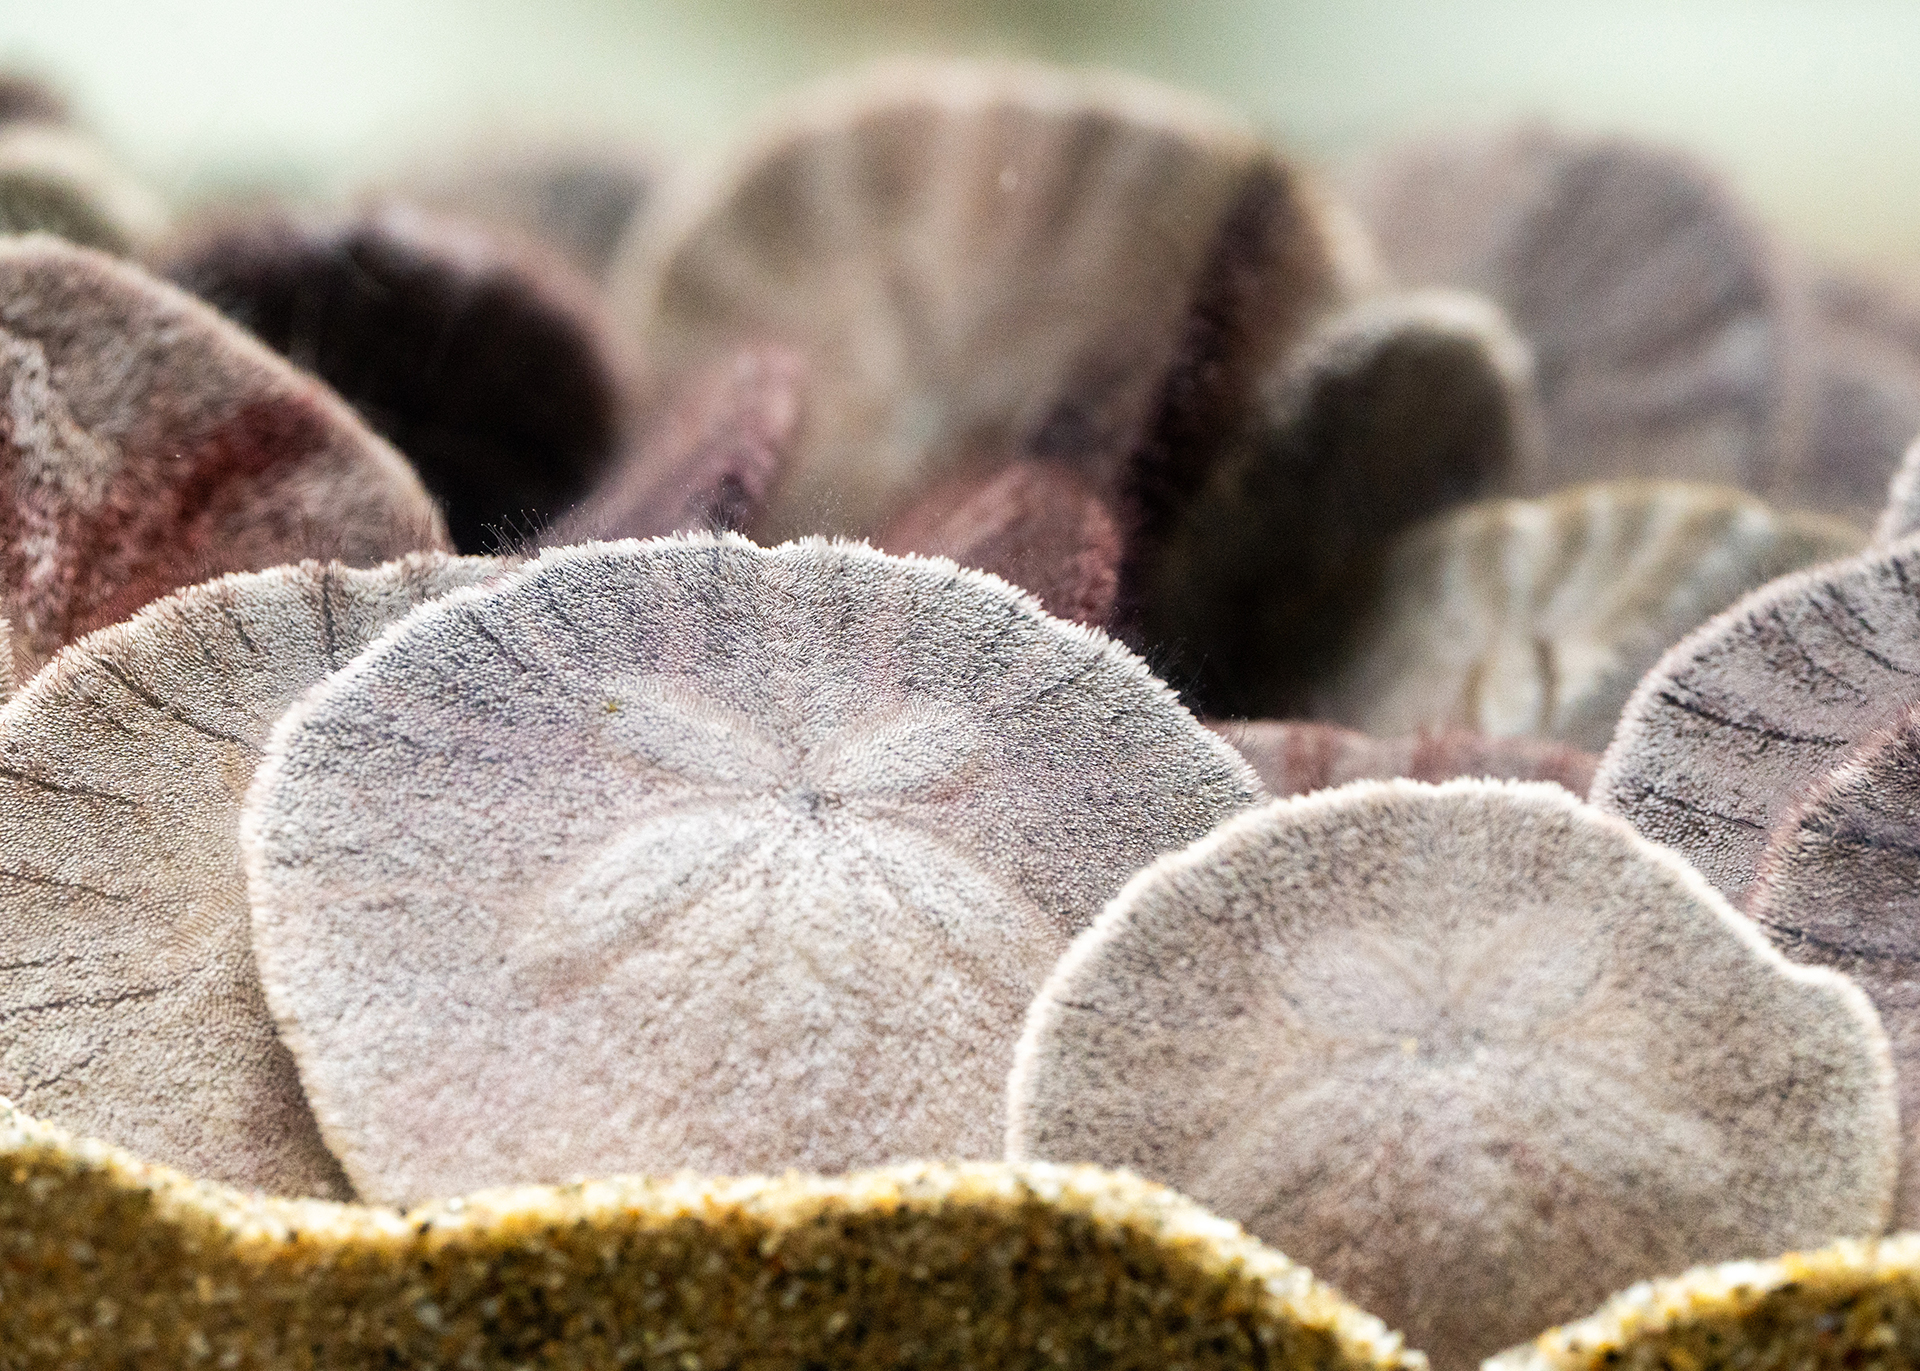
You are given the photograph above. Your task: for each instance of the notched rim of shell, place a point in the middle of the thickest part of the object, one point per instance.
(1061, 1254)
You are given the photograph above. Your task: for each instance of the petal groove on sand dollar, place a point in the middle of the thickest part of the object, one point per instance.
(150, 444)
(1739, 718)
(690, 853)
(1538, 617)
(975, 1267)
(129, 1004)
(982, 262)
(1475, 1053)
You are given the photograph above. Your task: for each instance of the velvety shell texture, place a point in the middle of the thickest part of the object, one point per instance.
(1738, 719)
(107, 1261)
(1839, 886)
(146, 443)
(491, 369)
(1475, 1052)
(1384, 414)
(1294, 757)
(129, 1004)
(1850, 1306)
(690, 853)
(1663, 323)
(989, 262)
(56, 180)
(1538, 617)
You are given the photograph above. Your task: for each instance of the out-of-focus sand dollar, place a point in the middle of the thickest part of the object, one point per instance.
(1669, 337)
(1292, 756)
(1538, 617)
(56, 180)
(982, 262)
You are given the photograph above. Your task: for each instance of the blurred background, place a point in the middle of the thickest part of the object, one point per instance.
(1811, 106)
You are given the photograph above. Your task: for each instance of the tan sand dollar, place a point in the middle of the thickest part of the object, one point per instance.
(1855, 1303)
(129, 1004)
(1839, 886)
(977, 1267)
(982, 262)
(150, 444)
(1742, 716)
(690, 853)
(1539, 617)
(1476, 1053)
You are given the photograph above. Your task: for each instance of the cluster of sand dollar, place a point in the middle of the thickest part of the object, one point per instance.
(1004, 624)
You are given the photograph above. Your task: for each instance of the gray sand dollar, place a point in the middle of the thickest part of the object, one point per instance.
(983, 261)
(1476, 1053)
(1663, 320)
(690, 853)
(1839, 886)
(1538, 617)
(129, 1004)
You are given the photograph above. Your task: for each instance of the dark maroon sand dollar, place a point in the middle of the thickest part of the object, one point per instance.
(711, 452)
(490, 367)
(1293, 757)
(150, 444)
(1384, 415)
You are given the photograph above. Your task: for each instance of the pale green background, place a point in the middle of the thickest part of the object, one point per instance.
(1812, 107)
